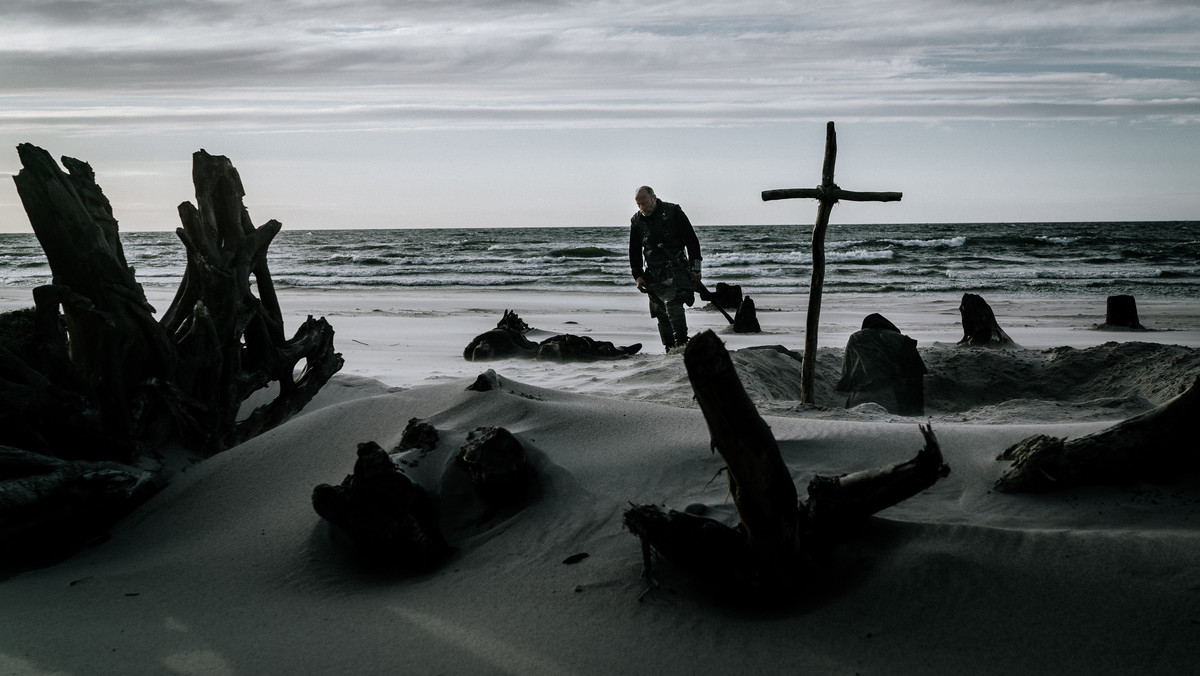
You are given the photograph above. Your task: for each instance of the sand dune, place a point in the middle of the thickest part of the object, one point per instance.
(230, 571)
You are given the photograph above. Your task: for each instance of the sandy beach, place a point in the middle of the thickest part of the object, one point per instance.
(230, 571)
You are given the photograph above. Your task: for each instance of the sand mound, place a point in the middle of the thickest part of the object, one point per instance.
(1105, 382)
(229, 570)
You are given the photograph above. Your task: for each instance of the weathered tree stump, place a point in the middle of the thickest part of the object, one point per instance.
(881, 365)
(418, 435)
(497, 464)
(1121, 313)
(769, 552)
(188, 374)
(95, 377)
(387, 517)
(746, 319)
(979, 324)
(1156, 446)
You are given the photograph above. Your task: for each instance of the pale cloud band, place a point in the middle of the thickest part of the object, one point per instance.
(117, 67)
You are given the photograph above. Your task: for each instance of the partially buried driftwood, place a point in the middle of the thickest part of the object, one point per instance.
(508, 340)
(497, 464)
(882, 365)
(387, 517)
(49, 506)
(775, 542)
(392, 521)
(980, 328)
(1158, 445)
(98, 378)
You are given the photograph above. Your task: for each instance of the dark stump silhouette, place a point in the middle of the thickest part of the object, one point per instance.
(881, 365)
(1121, 313)
(980, 328)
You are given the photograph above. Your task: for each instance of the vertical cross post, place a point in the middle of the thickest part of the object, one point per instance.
(828, 193)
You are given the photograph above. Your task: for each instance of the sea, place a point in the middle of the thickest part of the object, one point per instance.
(1082, 260)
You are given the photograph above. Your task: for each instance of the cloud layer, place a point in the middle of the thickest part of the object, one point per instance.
(116, 66)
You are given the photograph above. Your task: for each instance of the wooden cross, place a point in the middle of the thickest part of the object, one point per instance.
(828, 194)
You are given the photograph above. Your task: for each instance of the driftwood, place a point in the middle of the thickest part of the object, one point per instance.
(188, 374)
(391, 521)
(508, 340)
(388, 518)
(776, 542)
(90, 374)
(51, 507)
(1156, 446)
(979, 324)
(418, 435)
(497, 464)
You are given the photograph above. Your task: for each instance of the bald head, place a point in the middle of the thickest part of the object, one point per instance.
(645, 200)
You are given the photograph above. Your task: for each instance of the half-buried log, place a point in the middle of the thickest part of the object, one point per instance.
(508, 340)
(777, 541)
(387, 517)
(1156, 446)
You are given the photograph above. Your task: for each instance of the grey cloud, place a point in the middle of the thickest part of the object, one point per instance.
(391, 64)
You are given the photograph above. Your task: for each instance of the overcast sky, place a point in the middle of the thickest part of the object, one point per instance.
(389, 113)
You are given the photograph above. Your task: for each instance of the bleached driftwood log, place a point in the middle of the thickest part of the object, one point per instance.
(769, 553)
(1156, 446)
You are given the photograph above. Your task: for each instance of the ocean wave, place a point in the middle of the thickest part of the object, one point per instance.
(1055, 274)
(581, 252)
(950, 242)
(1043, 259)
(722, 260)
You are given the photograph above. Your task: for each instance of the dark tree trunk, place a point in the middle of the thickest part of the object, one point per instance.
(769, 553)
(104, 380)
(759, 481)
(188, 374)
(116, 346)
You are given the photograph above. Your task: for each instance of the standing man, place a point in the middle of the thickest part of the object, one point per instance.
(664, 256)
